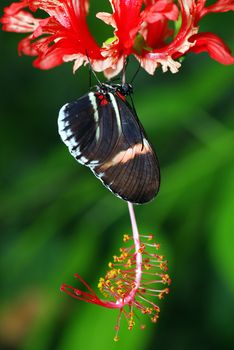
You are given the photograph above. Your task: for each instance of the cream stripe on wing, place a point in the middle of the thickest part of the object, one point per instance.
(116, 109)
(92, 99)
(126, 155)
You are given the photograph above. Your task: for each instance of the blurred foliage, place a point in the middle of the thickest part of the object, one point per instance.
(57, 219)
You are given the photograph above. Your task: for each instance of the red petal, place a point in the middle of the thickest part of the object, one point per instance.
(15, 7)
(88, 297)
(68, 22)
(212, 44)
(127, 20)
(218, 6)
(64, 32)
(155, 34)
(17, 20)
(25, 47)
(65, 11)
(160, 10)
(164, 55)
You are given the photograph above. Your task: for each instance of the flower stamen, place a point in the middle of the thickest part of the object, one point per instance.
(130, 280)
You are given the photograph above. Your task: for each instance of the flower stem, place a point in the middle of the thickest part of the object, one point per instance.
(138, 255)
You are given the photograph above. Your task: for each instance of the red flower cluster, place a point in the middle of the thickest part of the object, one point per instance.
(141, 27)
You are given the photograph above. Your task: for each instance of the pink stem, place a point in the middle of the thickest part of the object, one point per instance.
(136, 239)
(120, 303)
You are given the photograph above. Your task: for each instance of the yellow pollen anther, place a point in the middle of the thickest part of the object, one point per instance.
(163, 266)
(120, 292)
(155, 318)
(128, 263)
(141, 249)
(161, 294)
(147, 266)
(166, 279)
(156, 308)
(101, 284)
(112, 273)
(126, 238)
(147, 310)
(124, 255)
(122, 250)
(108, 283)
(159, 257)
(119, 283)
(131, 323)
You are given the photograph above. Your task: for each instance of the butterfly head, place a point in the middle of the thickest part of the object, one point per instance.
(123, 89)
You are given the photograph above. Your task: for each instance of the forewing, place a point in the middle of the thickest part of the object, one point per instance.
(88, 127)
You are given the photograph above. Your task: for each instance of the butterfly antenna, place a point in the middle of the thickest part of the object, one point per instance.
(134, 76)
(138, 121)
(91, 70)
(90, 77)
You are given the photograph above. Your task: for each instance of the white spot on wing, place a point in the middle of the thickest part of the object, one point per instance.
(76, 152)
(72, 142)
(65, 134)
(68, 132)
(92, 99)
(146, 144)
(94, 162)
(62, 123)
(83, 160)
(116, 109)
(97, 133)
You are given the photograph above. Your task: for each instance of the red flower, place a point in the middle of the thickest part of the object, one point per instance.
(135, 280)
(143, 28)
(63, 36)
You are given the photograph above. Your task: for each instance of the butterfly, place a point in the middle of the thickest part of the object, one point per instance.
(102, 131)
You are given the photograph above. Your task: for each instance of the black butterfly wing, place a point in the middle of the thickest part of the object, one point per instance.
(102, 132)
(88, 129)
(132, 170)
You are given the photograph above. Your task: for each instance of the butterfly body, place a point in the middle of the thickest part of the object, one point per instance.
(103, 132)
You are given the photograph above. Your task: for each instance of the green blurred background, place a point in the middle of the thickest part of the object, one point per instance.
(57, 219)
